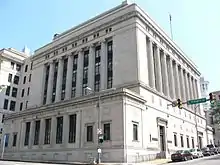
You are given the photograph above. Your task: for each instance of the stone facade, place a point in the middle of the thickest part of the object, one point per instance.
(136, 71)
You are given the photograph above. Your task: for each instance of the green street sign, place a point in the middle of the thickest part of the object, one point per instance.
(196, 101)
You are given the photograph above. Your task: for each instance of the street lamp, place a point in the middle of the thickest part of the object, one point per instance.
(99, 129)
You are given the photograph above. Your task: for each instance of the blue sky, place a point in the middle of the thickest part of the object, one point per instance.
(196, 25)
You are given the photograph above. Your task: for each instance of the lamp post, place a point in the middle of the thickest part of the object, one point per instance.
(99, 129)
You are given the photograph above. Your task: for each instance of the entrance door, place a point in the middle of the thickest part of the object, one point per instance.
(162, 138)
(200, 142)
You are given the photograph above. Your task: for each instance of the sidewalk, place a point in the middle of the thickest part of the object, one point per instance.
(158, 161)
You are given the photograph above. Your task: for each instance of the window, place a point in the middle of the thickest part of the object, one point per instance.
(3, 117)
(187, 141)
(28, 91)
(26, 105)
(175, 140)
(72, 128)
(22, 93)
(26, 68)
(59, 135)
(14, 92)
(9, 77)
(107, 131)
(135, 132)
(21, 106)
(64, 79)
(97, 68)
(27, 133)
(7, 92)
(6, 140)
(5, 104)
(181, 139)
(16, 80)
(46, 83)
(54, 82)
(47, 131)
(193, 145)
(31, 65)
(12, 106)
(12, 65)
(24, 80)
(30, 78)
(89, 130)
(37, 132)
(18, 67)
(14, 139)
(109, 69)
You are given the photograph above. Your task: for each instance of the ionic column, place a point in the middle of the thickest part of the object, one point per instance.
(158, 71)
(31, 136)
(190, 87)
(69, 77)
(151, 64)
(183, 86)
(79, 77)
(59, 80)
(187, 86)
(65, 129)
(91, 71)
(165, 74)
(50, 83)
(103, 65)
(172, 82)
(177, 84)
(22, 136)
(193, 88)
(53, 131)
(42, 132)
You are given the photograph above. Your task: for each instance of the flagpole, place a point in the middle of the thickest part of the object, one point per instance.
(171, 30)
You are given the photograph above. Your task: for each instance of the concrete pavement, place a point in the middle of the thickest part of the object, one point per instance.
(211, 160)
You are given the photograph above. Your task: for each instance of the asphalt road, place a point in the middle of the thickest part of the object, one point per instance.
(210, 160)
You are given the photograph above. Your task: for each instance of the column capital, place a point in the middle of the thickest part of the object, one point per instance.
(50, 62)
(103, 40)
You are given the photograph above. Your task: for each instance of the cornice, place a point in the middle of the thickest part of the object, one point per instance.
(122, 92)
(88, 33)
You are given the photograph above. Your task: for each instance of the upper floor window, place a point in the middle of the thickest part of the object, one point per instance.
(18, 67)
(31, 65)
(12, 65)
(26, 68)
(9, 77)
(24, 80)
(14, 92)
(16, 79)
(30, 78)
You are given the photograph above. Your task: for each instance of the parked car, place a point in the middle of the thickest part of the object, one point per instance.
(181, 155)
(206, 151)
(213, 148)
(196, 152)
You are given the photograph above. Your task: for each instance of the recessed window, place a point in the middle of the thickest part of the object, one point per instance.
(9, 77)
(14, 142)
(28, 91)
(18, 67)
(5, 104)
(16, 80)
(181, 140)
(135, 131)
(89, 132)
(14, 92)
(47, 131)
(31, 65)
(12, 105)
(22, 93)
(27, 133)
(26, 68)
(175, 140)
(24, 80)
(21, 106)
(30, 78)
(72, 128)
(7, 92)
(107, 131)
(59, 135)
(12, 65)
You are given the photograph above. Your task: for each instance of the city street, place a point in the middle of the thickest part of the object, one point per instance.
(211, 160)
(24, 163)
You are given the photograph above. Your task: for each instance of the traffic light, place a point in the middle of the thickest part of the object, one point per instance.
(101, 139)
(179, 104)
